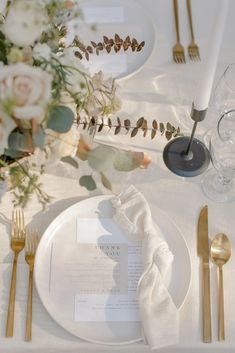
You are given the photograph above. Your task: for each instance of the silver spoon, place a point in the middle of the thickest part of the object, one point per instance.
(220, 254)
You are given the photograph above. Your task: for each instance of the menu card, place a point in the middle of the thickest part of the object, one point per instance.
(101, 270)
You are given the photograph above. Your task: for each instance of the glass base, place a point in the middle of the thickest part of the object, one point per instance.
(216, 189)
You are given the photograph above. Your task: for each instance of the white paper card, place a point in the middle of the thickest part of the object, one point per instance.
(114, 306)
(103, 15)
(111, 63)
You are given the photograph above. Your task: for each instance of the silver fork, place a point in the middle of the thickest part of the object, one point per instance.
(17, 245)
(30, 251)
(178, 49)
(193, 50)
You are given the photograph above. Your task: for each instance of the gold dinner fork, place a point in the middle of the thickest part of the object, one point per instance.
(178, 49)
(193, 50)
(30, 251)
(17, 245)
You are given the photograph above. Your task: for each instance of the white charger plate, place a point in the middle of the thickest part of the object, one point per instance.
(110, 17)
(61, 307)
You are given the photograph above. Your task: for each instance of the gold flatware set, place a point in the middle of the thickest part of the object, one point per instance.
(220, 252)
(21, 238)
(178, 49)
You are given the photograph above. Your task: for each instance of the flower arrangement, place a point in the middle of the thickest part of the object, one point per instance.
(46, 95)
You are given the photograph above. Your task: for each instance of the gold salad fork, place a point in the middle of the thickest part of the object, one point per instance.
(193, 50)
(30, 251)
(17, 245)
(178, 49)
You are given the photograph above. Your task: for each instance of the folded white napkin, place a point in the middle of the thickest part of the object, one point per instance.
(159, 315)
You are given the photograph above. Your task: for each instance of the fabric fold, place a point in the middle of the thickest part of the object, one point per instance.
(159, 315)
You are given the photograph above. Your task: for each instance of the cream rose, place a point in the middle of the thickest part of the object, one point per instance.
(27, 89)
(25, 22)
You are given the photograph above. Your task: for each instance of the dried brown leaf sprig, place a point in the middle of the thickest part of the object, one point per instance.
(107, 44)
(142, 125)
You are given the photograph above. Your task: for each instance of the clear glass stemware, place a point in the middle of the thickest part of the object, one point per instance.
(218, 182)
(224, 94)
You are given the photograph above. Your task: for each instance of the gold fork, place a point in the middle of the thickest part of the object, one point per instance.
(178, 49)
(30, 251)
(193, 50)
(17, 245)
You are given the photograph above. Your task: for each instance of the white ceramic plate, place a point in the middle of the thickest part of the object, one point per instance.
(61, 307)
(124, 18)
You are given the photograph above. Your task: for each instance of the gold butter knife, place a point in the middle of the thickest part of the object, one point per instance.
(203, 253)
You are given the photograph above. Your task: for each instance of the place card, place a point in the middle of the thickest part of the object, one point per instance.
(103, 15)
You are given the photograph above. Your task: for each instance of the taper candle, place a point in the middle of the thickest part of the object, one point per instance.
(206, 77)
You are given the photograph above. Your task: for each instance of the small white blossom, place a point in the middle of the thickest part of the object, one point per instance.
(25, 22)
(42, 51)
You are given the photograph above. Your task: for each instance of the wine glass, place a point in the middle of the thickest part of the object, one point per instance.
(218, 182)
(224, 94)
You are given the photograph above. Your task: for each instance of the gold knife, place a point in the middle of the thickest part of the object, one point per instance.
(203, 253)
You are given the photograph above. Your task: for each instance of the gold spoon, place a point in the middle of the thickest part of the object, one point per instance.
(220, 254)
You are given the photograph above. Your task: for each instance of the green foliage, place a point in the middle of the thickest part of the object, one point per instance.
(71, 161)
(101, 158)
(60, 119)
(88, 182)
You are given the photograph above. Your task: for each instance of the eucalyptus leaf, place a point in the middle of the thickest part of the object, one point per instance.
(101, 158)
(60, 119)
(39, 138)
(71, 161)
(125, 161)
(88, 182)
(106, 182)
(20, 141)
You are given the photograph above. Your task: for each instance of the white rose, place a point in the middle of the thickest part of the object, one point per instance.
(62, 145)
(42, 51)
(25, 22)
(6, 127)
(27, 88)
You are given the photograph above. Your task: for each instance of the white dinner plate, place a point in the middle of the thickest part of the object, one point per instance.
(63, 231)
(110, 17)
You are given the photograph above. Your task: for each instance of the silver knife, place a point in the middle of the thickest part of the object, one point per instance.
(203, 253)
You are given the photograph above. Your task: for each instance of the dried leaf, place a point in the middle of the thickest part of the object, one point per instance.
(89, 49)
(117, 47)
(127, 124)
(153, 134)
(168, 127)
(93, 44)
(106, 40)
(78, 55)
(139, 122)
(108, 48)
(100, 127)
(134, 132)
(117, 38)
(162, 128)
(87, 56)
(81, 46)
(117, 130)
(168, 135)
(155, 124)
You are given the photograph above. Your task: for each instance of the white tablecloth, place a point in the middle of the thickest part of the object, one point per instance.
(164, 91)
